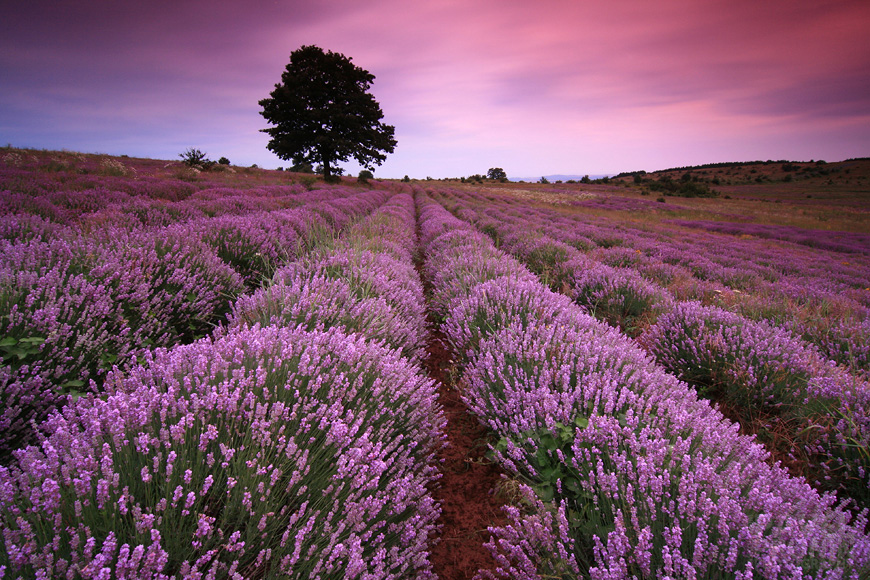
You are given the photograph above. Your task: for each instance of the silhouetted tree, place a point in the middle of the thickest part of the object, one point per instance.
(301, 168)
(496, 173)
(195, 158)
(322, 112)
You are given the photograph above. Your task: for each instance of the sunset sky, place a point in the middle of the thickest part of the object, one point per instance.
(537, 88)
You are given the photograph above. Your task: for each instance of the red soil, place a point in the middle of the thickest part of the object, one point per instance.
(469, 502)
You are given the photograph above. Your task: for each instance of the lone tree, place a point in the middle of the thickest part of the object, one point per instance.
(496, 173)
(322, 113)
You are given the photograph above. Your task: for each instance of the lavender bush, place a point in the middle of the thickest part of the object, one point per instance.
(844, 339)
(618, 296)
(494, 304)
(754, 366)
(85, 298)
(592, 424)
(172, 287)
(630, 474)
(23, 227)
(321, 296)
(363, 282)
(816, 293)
(464, 259)
(269, 452)
(254, 245)
(60, 327)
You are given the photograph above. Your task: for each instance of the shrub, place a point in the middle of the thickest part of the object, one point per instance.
(114, 168)
(369, 294)
(255, 245)
(195, 159)
(268, 452)
(496, 303)
(171, 286)
(619, 296)
(308, 181)
(754, 366)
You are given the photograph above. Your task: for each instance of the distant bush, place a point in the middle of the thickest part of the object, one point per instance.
(497, 173)
(195, 159)
(224, 161)
(301, 168)
(364, 176)
(114, 167)
(186, 174)
(682, 188)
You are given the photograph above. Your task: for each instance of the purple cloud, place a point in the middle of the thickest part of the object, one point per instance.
(555, 87)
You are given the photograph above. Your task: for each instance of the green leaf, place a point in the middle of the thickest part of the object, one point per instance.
(542, 458)
(566, 437)
(572, 484)
(551, 473)
(581, 421)
(8, 341)
(545, 492)
(549, 442)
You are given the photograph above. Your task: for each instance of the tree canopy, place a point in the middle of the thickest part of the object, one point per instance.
(322, 113)
(496, 173)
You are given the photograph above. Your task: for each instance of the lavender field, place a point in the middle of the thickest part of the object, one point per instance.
(224, 375)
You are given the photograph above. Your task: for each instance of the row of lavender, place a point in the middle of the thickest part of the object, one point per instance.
(83, 299)
(297, 442)
(752, 366)
(42, 216)
(629, 473)
(822, 296)
(67, 185)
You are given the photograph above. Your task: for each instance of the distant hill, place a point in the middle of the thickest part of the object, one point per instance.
(553, 178)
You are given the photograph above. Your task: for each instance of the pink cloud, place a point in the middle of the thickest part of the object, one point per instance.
(554, 86)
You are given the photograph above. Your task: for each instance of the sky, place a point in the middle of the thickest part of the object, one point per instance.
(536, 88)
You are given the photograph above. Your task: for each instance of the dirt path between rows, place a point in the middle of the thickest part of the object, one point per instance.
(467, 490)
(469, 502)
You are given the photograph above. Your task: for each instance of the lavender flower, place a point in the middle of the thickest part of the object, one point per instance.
(753, 366)
(624, 461)
(284, 445)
